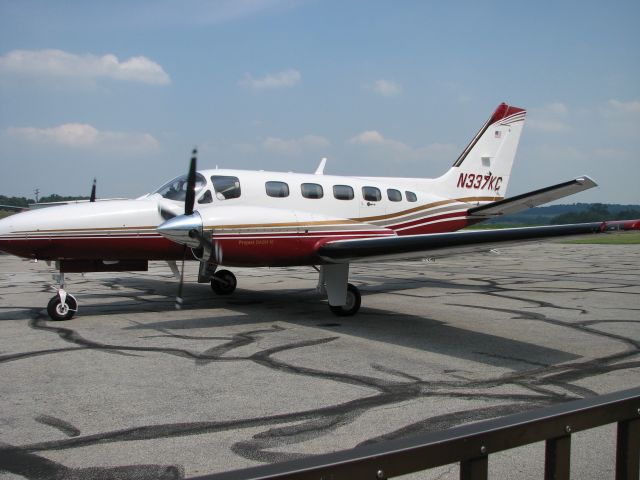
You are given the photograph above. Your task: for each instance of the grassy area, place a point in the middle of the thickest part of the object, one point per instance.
(620, 238)
(617, 238)
(5, 213)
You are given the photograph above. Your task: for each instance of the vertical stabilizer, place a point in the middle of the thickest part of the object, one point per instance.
(484, 167)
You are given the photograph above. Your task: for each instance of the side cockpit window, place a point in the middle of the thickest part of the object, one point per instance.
(176, 189)
(226, 187)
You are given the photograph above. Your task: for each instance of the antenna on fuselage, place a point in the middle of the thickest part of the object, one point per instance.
(320, 169)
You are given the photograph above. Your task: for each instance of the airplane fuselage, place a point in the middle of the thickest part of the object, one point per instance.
(255, 218)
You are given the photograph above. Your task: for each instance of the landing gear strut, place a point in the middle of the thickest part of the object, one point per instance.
(223, 282)
(344, 298)
(62, 305)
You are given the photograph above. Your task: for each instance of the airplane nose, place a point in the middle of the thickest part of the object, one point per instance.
(183, 229)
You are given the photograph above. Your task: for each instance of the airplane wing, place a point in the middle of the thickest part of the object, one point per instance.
(455, 243)
(532, 199)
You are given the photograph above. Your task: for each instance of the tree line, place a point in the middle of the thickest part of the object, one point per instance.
(25, 202)
(594, 213)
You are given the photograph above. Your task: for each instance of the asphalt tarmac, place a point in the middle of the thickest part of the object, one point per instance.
(133, 389)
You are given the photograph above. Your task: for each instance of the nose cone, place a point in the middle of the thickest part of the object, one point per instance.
(13, 240)
(5, 237)
(179, 229)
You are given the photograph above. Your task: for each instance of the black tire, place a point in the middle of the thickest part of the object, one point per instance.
(353, 303)
(58, 312)
(223, 282)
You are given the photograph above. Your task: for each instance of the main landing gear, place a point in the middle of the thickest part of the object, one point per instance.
(223, 282)
(352, 305)
(344, 298)
(62, 305)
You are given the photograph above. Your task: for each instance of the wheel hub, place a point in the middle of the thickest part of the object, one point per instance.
(62, 309)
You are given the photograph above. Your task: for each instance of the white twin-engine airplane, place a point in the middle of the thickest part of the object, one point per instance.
(257, 218)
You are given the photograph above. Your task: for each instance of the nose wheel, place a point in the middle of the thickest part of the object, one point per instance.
(223, 282)
(62, 306)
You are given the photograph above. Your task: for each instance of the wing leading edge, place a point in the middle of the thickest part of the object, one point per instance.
(445, 244)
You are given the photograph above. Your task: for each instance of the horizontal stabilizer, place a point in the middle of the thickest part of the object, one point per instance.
(532, 199)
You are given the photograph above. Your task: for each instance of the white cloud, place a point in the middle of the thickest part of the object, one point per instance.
(375, 140)
(557, 108)
(551, 126)
(624, 107)
(286, 78)
(84, 136)
(57, 63)
(294, 146)
(373, 137)
(386, 88)
(622, 119)
(550, 118)
(563, 153)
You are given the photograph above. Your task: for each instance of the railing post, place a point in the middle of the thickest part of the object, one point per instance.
(557, 458)
(628, 450)
(474, 469)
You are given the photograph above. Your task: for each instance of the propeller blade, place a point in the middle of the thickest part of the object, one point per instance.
(179, 300)
(190, 197)
(93, 192)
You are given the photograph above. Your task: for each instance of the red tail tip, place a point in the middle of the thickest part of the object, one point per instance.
(504, 111)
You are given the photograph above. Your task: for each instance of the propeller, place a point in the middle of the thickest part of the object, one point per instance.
(190, 197)
(186, 229)
(92, 198)
(189, 201)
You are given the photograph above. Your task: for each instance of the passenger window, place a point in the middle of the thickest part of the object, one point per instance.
(206, 198)
(226, 187)
(277, 189)
(371, 194)
(411, 196)
(343, 192)
(312, 190)
(394, 195)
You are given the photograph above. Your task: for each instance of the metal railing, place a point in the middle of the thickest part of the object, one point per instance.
(471, 445)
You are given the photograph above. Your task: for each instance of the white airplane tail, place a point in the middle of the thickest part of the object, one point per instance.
(484, 167)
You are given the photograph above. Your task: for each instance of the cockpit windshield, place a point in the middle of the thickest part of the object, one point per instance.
(176, 189)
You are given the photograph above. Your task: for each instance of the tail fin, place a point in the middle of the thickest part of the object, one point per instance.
(484, 167)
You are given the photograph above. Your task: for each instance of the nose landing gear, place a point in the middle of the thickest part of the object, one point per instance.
(62, 305)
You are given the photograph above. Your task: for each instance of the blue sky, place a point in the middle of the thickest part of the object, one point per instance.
(123, 90)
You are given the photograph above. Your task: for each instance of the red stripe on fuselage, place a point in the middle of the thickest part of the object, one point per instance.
(89, 248)
(241, 249)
